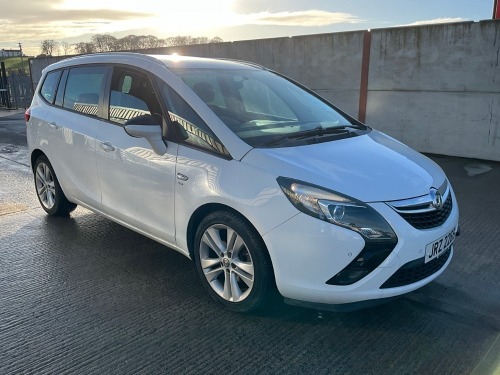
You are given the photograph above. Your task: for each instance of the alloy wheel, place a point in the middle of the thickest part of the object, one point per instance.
(226, 263)
(45, 185)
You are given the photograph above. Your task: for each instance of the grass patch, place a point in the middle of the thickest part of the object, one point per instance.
(15, 63)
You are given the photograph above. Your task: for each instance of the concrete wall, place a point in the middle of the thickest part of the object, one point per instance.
(329, 64)
(436, 88)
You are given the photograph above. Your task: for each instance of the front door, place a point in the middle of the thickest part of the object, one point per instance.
(137, 184)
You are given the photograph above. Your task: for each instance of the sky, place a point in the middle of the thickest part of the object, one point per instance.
(72, 21)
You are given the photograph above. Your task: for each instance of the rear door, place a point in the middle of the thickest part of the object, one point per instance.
(73, 122)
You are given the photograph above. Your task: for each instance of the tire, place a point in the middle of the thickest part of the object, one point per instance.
(48, 190)
(239, 276)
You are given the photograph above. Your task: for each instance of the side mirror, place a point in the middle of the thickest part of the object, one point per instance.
(152, 133)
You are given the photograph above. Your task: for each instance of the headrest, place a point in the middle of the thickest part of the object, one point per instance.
(205, 91)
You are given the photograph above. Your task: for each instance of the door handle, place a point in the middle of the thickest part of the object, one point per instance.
(53, 125)
(182, 177)
(106, 146)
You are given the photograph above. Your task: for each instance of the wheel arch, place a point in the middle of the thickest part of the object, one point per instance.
(205, 210)
(35, 154)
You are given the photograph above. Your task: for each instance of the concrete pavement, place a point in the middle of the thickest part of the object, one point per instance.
(4, 112)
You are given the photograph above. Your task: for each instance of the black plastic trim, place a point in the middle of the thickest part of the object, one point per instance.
(372, 256)
(416, 270)
(341, 307)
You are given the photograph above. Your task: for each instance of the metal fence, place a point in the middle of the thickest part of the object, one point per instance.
(16, 90)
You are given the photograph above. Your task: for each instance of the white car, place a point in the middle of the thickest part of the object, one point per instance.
(263, 183)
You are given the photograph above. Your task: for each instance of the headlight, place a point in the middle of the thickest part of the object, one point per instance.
(349, 213)
(337, 209)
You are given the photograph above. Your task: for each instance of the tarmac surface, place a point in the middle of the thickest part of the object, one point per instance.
(84, 295)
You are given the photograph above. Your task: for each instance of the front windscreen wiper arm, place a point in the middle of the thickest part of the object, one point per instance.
(316, 132)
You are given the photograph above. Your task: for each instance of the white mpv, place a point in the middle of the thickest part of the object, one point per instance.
(263, 183)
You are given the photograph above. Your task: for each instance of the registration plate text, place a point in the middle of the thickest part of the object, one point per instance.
(436, 248)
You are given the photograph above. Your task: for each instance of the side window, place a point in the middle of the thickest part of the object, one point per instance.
(196, 130)
(60, 89)
(49, 86)
(133, 99)
(83, 88)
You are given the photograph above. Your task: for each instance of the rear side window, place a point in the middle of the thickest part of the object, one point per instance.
(83, 88)
(49, 86)
(60, 90)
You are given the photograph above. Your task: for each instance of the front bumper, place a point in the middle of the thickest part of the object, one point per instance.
(307, 252)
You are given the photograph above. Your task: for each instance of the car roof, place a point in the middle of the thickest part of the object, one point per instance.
(174, 61)
(190, 62)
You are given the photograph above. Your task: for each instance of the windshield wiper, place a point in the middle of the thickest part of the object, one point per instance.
(316, 132)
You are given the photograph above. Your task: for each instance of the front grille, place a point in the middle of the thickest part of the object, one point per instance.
(416, 270)
(431, 219)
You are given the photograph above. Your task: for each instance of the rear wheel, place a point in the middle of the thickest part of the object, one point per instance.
(48, 190)
(232, 261)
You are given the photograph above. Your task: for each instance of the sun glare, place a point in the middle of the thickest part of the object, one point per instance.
(179, 17)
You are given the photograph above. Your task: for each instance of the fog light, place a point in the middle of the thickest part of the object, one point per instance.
(372, 255)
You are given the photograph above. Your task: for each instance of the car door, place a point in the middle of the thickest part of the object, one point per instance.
(137, 181)
(73, 124)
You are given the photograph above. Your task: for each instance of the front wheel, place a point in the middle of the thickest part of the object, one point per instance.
(48, 190)
(233, 262)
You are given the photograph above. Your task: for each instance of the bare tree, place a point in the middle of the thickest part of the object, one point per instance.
(132, 42)
(142, 42)
(84, 47)
(179, 40)
(66, 47)
(151, 41)
(48, 47)
(128, 42)
(104, 42)
(200, 40)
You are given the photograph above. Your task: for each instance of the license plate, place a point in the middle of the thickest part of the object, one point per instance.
(438, 247)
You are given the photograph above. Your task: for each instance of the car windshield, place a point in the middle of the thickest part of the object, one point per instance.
(260, 106)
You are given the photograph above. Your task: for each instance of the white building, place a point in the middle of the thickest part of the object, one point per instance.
(10, 53)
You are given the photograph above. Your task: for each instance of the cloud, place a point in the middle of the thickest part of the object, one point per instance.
(42, 19)
(44, 16)
(31, 21)
(306, 18)
(435, 21)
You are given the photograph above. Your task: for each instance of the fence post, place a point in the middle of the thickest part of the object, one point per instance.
(4, 95)
(365, 68)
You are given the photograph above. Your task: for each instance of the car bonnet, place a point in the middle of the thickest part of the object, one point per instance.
(372, 167)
